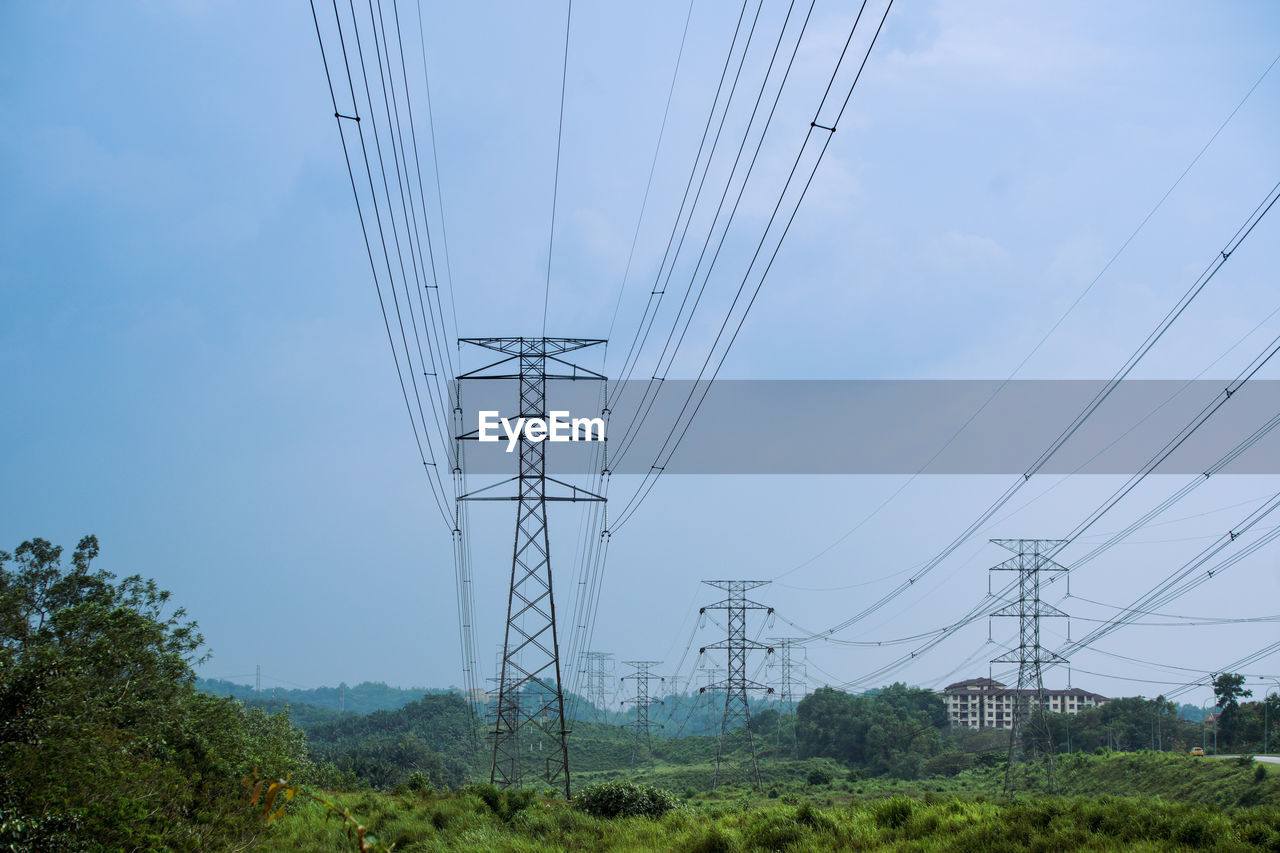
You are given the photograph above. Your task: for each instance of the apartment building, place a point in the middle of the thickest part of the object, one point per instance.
(982, 703)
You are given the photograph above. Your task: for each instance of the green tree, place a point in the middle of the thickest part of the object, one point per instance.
(102, 735)
(1229, 689)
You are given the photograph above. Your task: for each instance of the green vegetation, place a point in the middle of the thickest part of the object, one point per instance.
(624, 799)
(363, 698)
(104, 742)
(435, 737)
(465, 822)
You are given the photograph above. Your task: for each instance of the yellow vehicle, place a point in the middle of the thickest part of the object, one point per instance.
(1197, 750)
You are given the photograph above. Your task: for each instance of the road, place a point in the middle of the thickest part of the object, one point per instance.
(1266, 759)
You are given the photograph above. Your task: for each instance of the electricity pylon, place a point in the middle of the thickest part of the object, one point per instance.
(597, 671)
(791, 681)
(711, 675)
(736, 684)
(529, 720)
(1029, 733)
(643, 701)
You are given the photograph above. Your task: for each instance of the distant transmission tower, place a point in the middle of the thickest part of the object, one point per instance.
(643, 700)
(711, 675)
(736, 683)
(529, 724)
(791, 685)
(1029, 734)
(597, 671)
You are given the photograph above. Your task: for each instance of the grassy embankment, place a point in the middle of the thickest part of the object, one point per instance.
(1128, 801)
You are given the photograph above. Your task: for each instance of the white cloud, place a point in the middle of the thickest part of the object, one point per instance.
(1011, 46)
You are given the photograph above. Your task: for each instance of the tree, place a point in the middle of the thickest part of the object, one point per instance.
(102, 734)
(1229, 690)
(891, 732)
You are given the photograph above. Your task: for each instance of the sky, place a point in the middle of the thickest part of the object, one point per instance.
(195, 368)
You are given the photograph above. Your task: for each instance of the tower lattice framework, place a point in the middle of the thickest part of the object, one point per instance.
(597, 679)
(529, 734)
(1030, 737)
(736, 684)
(643, 701)
(791, 684)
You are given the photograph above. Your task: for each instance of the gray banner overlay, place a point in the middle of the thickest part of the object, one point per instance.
(892, 426)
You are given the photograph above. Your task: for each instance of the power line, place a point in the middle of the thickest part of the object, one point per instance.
(1074, 304)
(339, 118)
(664, 454)
(1220, 259)
(644, 202)
(555, 188)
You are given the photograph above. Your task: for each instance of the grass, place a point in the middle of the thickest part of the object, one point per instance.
(463, 822)
(1110, 801)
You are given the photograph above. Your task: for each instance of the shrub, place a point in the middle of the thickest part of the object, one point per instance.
(775, 831)
(625, 799)
(947, 764)
(505, 804)
(818, 776)
(893, 812)
(814, 819)
(715, 840)
(1259, 773)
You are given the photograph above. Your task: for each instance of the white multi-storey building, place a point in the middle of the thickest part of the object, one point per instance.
(981, 703)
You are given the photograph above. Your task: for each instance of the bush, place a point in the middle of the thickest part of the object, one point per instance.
(625, 799)
(504, 804)
(947, 764)
(893, 813)
(808, 816)
(774, 831)
(818, 776)
(714, 840)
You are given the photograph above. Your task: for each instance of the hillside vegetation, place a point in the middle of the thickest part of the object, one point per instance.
(469, 822)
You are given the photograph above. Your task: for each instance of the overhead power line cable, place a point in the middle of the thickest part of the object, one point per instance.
(673, 440)
(1052, 329)
(1220, 260)
(339, 117)
(555, 188)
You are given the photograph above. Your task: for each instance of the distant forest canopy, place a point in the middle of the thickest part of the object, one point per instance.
(683, 714)
(363, 698)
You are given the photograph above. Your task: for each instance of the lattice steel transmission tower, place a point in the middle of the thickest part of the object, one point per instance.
(529, 724)
(711, 675)
(791, 682)
(736, 684)
(597, 676)
(643, 701)
(1029, 733)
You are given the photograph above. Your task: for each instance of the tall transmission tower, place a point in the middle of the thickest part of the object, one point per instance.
(1029, 734)
(790, 682)
(529, 724)
(643, 700)
(736, 684)
(597, 672)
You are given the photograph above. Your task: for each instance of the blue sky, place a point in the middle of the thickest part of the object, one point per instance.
(195, 368)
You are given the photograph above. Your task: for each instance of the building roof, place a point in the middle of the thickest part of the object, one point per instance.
(996, 688)
(1071, 691)
(974, 684)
